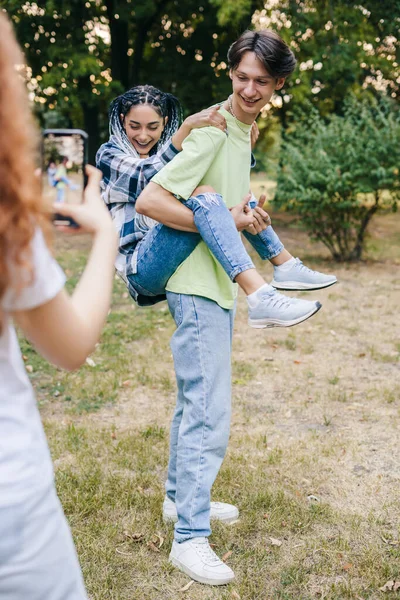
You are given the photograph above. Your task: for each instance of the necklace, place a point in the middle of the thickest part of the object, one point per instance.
(247, 132)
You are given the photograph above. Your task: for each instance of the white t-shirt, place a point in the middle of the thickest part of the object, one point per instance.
(25, 464)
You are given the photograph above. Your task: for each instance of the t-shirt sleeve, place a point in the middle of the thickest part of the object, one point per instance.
(46, 281)
(184, 173)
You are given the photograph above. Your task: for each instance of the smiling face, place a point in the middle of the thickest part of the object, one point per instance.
(252, 86)
(143, 126)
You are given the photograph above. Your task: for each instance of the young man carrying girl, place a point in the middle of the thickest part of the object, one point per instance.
(201, 296)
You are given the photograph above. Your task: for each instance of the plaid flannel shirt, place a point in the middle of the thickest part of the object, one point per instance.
(124, 178)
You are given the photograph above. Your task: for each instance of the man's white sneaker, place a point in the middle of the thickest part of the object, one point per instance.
(220, 511)
(195, 558)
(300, 277)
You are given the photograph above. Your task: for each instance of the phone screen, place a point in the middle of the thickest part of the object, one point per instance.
(64, 158)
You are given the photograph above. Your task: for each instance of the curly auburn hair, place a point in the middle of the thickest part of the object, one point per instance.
(21, 210)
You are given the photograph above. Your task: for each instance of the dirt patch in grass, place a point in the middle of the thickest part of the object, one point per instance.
(314, 453)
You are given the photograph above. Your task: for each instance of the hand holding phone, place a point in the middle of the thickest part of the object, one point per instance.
(64, 156)
(92, 216)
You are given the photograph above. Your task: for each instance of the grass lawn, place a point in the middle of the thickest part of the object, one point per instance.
(314, 455)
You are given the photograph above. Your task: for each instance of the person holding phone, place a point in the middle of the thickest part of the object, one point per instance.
(37, 555)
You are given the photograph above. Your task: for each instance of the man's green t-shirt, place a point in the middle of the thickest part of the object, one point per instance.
(211, 157)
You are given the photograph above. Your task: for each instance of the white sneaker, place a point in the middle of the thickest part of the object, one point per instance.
(220, 511)
(271, 309)
(300, 277)
(195, 558)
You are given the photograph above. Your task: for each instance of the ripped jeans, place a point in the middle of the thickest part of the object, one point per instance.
(163, 249)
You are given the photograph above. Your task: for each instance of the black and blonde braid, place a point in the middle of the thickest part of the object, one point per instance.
(165, 104)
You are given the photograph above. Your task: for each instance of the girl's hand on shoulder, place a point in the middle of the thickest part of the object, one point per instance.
(92, 215)
(209, 117)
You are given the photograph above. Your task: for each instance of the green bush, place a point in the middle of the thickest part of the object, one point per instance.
(336, 174)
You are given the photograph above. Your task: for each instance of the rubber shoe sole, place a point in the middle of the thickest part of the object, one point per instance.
(268, 323)
(297, 286)
(206, 580)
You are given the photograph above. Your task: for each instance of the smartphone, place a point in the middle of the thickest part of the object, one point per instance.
(64, 156)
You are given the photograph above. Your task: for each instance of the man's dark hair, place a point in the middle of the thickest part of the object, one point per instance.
(270, 49)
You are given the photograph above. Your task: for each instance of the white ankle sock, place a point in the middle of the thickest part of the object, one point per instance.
(253, 299)
(286, 265)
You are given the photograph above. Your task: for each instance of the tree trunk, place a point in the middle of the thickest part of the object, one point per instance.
(358, 247)
(91, 119)
(119, 45)
(142, 28)
(90, 111)
(141, 36)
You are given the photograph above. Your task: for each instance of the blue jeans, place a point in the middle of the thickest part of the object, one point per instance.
(60, 194)
(201, 348)
(163, 249)
(267, 243)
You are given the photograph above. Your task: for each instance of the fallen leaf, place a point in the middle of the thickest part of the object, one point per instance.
(275, 542)
(361, 355)
(24, 357)
(227, 555)
(265, 516)
(388, 587)
(297, 362)
(153, 547)
(29, 368)
(187, 586)
(113, 435)
(235, 595)
(126, 383)
(347, 566)
(135, 537)
(159, 540)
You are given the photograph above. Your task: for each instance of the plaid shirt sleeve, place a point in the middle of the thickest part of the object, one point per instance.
(125, 176)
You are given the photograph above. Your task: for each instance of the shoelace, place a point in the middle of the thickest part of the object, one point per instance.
(275, 299)
(302, 267)
(206, 552)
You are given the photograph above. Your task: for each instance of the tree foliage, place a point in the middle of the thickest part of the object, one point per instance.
(336, 175)
(83, 53)
(343, 47)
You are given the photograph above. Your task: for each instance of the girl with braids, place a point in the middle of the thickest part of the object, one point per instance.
(145, 137)
(37, 555)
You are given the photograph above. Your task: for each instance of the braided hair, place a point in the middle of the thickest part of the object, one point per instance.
(165, 104)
